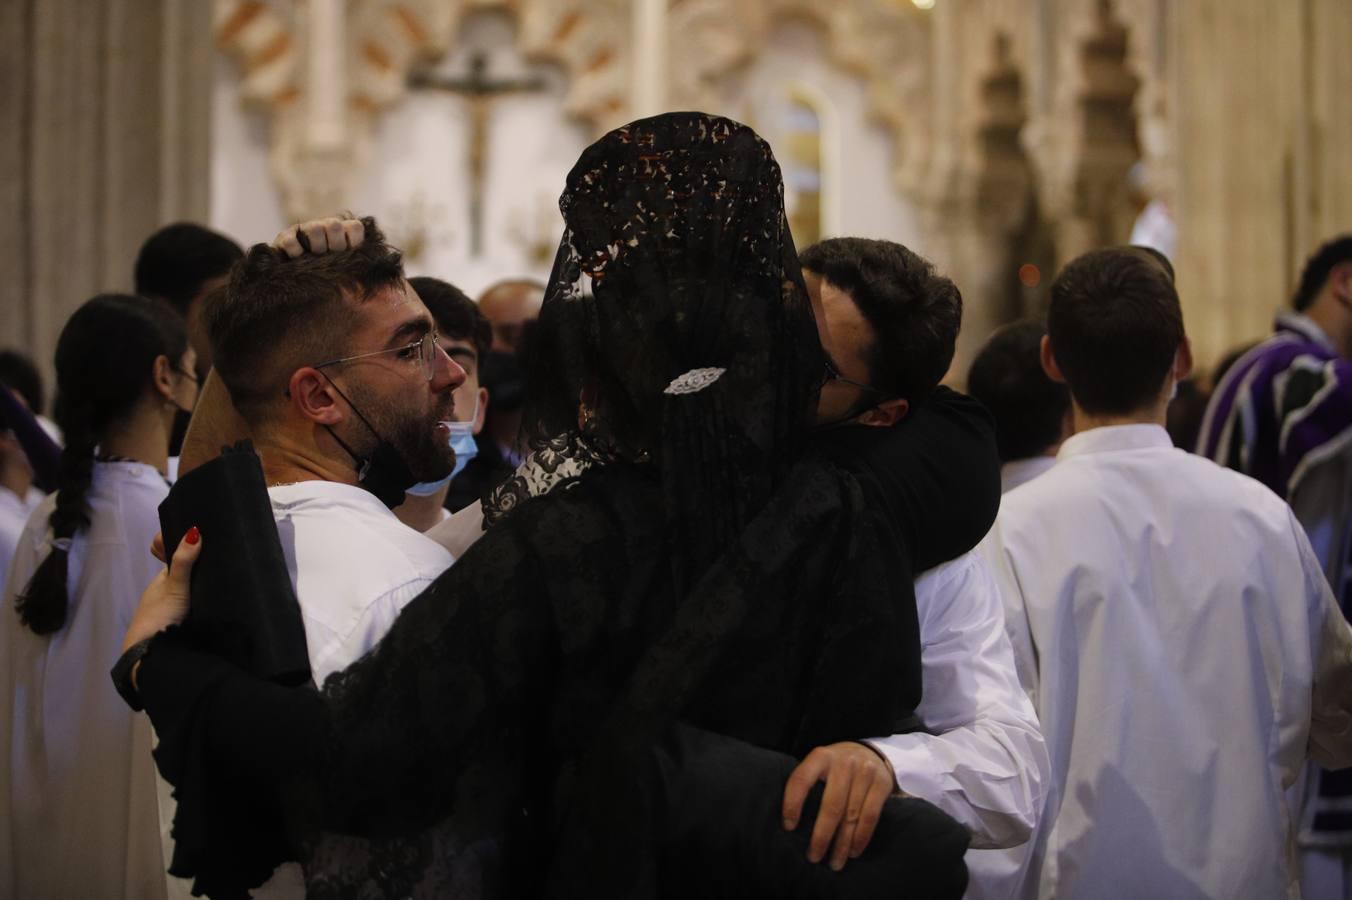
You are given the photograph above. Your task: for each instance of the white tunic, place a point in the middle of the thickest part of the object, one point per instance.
(1177, 636)
(76, 777)
(353, 564)
(1021, 471)
(14, 513)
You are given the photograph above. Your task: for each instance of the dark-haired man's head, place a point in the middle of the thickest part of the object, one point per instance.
(1325, 291)
(1031, 411)
(510, 305)
(323, 352)
(466, 336)
(181, 264)
(888, 323)
(1115, 334)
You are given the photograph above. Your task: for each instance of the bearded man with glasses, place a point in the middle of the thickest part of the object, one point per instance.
(332, 362)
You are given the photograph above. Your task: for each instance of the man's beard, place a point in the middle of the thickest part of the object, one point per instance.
(425, 448)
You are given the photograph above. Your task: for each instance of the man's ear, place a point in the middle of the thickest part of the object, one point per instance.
(314, 397)
(1049, 361)
(886, 414)
(1183, 360)
(483, 410)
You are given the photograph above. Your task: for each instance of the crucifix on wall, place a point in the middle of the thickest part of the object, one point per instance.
(480, 91)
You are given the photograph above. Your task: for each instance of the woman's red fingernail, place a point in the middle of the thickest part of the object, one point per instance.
(193, 535)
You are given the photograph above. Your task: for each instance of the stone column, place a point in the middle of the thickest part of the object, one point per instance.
(980, 191)
(649, 60)
(1263, 123)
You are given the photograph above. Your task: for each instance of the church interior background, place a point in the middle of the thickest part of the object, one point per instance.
(1000, 138)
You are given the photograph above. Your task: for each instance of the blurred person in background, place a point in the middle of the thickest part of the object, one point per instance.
(181, 264)
(509, 305)
(1032, 412)
(1282, 414)
(465, 335)
(19, 496)
(82, 814)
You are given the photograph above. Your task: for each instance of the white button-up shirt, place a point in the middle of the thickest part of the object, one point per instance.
(983, 760)
(1184, 654)
(354, 566)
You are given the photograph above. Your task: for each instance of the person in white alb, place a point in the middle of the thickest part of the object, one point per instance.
(18, 496)
(1169, 619)
(1031, 412)
(82, 812)
(332, 362)
(979, 755)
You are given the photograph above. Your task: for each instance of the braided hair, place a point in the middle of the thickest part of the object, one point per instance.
(105, 359)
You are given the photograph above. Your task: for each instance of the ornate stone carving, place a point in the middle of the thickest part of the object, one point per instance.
(366, 59)
(886, 43)
(1090, 131)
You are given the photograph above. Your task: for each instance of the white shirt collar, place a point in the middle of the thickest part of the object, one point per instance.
(1021, 471)
(1306, 327)
(336, 493)
(12, 502)
(1109, 438)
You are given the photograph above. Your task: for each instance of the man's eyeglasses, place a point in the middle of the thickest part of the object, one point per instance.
(832, 374)
(424, 351)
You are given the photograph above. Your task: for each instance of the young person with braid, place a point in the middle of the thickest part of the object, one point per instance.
(80, 816)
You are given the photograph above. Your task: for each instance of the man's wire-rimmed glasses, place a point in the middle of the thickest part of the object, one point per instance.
(424, 351)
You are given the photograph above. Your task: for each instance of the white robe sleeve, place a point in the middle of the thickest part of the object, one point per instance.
(985, 763)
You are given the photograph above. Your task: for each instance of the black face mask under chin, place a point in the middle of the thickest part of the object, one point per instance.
(384, 473)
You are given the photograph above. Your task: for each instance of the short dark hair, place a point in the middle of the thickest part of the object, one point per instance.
(18, 373)
(914, 311)
(1007, 377)
(456, 315)
(1318, 268)
(177, 260)
(1115, 325)
(278, 314)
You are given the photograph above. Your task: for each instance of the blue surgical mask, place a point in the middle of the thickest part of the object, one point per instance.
(461, 439)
